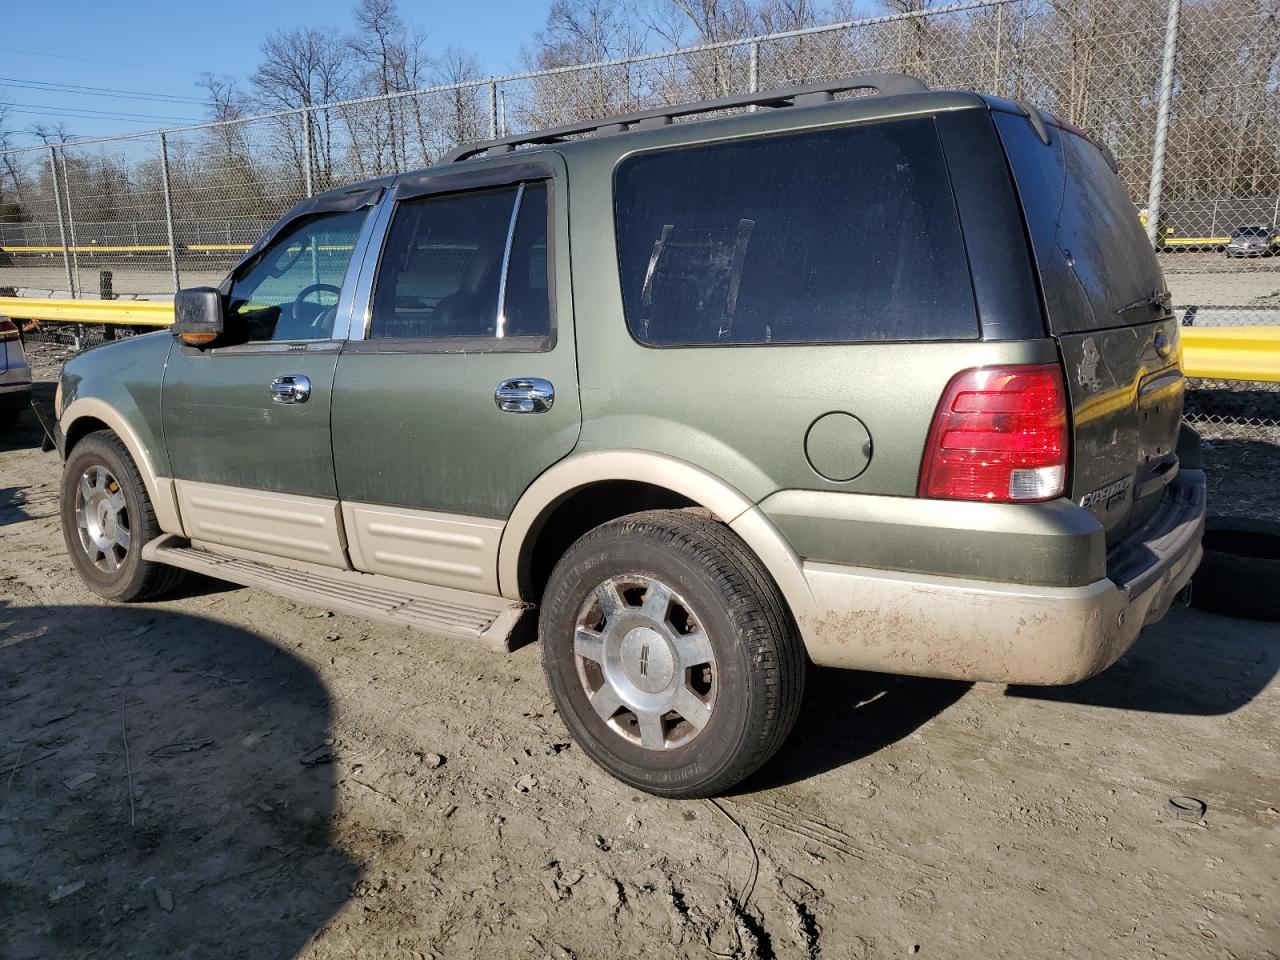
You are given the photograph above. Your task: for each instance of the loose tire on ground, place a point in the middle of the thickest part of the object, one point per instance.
(720, 601)
(1240, 573)
(129, 577)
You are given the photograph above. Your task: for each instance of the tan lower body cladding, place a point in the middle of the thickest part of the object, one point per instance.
(414, 545)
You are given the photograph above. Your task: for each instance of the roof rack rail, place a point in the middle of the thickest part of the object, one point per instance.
(885, 84)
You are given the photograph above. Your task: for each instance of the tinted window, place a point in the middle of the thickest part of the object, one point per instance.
(527, 310)
(1091, 250)
(290, 290)
(838, 235)
(441, 272)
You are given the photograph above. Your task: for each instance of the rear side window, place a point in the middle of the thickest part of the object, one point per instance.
(821, 237)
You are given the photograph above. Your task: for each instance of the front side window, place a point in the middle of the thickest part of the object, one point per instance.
(830, 236)
(466, 265)
(290, 290)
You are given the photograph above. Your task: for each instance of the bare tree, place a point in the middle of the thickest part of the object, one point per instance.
(393, 61)
(584, 32)
(457, 115)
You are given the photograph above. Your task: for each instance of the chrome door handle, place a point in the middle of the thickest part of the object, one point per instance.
(525, 395)
(291, 389)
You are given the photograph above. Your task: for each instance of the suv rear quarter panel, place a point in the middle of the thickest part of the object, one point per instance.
(742, 412)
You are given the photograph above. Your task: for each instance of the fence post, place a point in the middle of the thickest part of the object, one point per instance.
(1162, 122)
(62, 233)
(996, 80)
(71, 226)
(306, 151)
(493, 110)
(168, 212)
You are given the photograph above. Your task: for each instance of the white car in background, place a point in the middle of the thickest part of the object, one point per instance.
(15, 375)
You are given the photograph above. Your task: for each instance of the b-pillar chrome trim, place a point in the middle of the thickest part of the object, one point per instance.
(357, 293)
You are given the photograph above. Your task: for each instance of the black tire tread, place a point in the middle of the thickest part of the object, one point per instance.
(156, 578)
(757, 607)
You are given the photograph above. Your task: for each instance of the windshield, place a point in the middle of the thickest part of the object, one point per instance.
(1251, 232)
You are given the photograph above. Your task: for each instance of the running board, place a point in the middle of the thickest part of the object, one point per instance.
(439, 610)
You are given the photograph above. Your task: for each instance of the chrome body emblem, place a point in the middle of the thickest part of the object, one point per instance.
(1108, 496)
(1162, 344)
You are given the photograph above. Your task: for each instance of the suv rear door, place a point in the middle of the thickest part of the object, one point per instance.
(1109, 311)
(462, 386)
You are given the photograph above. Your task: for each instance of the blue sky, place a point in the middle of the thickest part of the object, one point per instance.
(159, 47)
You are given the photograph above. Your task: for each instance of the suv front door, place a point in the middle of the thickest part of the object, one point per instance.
(461, 387)
(247, 424)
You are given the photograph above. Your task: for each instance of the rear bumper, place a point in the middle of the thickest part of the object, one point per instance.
(934, 626)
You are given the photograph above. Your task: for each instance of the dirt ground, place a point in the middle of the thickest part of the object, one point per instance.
(227, 774)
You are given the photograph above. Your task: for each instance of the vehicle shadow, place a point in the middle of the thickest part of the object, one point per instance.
(1191, 663)
(848, 715)
(26, 433)
(14, 506)
(164, 788)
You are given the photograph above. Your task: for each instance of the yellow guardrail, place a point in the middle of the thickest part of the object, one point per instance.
(135, 313)
(156, 248)
(1211, 353)
(1231, 353)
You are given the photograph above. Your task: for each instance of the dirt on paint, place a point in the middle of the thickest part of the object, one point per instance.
(228, 774)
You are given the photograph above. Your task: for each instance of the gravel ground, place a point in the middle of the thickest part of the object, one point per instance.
(228, 774)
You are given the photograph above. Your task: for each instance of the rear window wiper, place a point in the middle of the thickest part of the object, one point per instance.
(1161, 302)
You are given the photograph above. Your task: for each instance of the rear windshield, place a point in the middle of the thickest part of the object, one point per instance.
(832, 236)
(1095, 260)
(1251, 232)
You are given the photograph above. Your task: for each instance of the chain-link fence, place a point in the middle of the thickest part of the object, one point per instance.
(1184, 95)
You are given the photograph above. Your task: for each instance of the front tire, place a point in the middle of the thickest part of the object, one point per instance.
(670, 653)
(107, 519)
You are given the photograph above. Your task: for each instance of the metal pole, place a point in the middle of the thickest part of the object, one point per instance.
(71, 228)
(502, 112)
(493, 110)
(306, 152)
(753, 72)
(995, 86)
(1162, 122)
(62, 233)
(168, 212)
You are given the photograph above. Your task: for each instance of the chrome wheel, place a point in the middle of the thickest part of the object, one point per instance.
(645, 662)
(102, 519)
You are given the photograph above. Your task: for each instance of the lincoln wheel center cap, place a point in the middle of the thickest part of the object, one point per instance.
(648, 660)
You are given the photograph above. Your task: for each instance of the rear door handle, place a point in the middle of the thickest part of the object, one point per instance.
(294, 388)
(525, 395)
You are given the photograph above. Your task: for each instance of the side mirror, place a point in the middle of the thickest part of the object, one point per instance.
(198, 318)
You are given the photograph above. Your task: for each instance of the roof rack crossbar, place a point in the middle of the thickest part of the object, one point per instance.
(885, 84)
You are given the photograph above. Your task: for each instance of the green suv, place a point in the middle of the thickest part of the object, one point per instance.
(881, 382)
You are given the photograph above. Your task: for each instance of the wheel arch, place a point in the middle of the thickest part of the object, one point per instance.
(87, 415)
(627, 481)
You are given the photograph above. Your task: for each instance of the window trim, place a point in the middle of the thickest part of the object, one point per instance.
(627, 157)
(438, 185)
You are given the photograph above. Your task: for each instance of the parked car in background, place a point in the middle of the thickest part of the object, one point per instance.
(1252, 241)
(885, 383)
(15, 375)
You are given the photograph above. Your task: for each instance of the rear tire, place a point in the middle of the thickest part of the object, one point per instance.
(670, 653)
(107, 519)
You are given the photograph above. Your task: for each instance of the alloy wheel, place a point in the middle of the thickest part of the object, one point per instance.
(645, 662)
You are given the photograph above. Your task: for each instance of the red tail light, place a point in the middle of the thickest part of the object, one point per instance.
(8, 330)
(999, 434)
